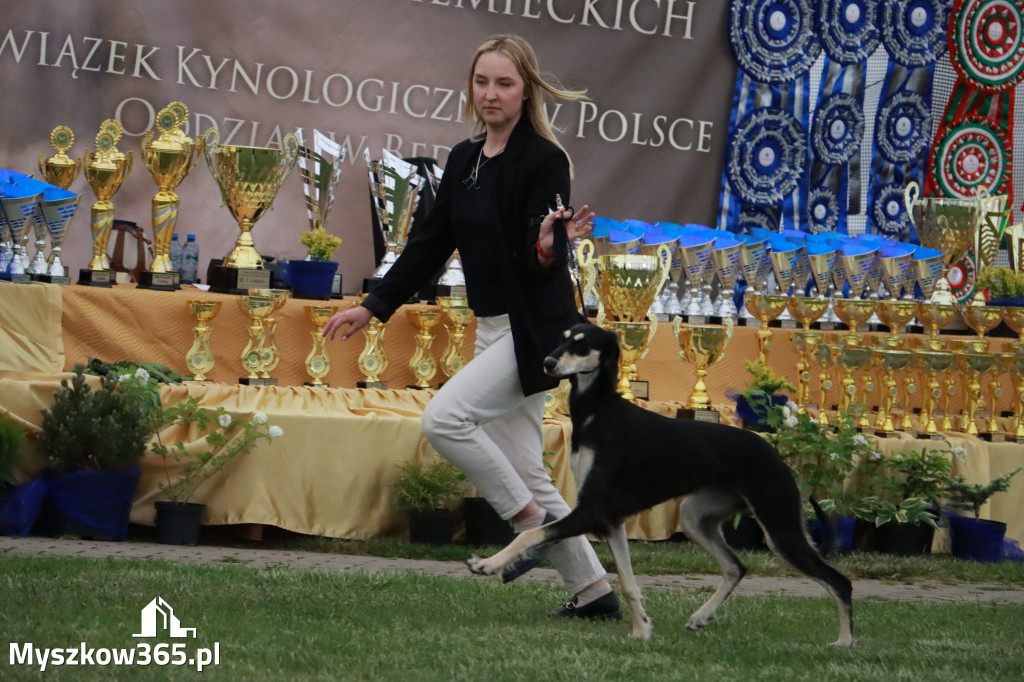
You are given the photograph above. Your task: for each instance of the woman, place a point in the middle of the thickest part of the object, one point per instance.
(495, 205)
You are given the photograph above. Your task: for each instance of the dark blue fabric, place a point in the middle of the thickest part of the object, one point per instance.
(21, 509)
(100, 500)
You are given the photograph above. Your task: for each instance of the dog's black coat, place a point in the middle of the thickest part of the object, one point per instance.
(638, 459)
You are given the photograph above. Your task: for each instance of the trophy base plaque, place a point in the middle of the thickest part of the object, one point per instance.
(372, 384)
(160, 281)
(322, 384)
(921, 435)
(992, 437)
(237, 281)
(451, 291)
(886, 434)
(702, 415)
(826, 326)
(257, 381)
(52, 279)
(96, 278)
(23, 278)
(695, 319)
(640, 389)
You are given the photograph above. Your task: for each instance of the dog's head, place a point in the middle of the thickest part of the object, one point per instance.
(587, 348)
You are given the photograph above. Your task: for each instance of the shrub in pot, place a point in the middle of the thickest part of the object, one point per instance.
(899, 494)
(821, 460)
(759, 405)
(1001, 286)
(973, 537)
(429, 493)
(178, 520)
(93, 440)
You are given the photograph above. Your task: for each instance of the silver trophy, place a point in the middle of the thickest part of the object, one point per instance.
(695, 251)
(726, 258)
(38, 266)
(59, 206)
(395, 189)
(20, 212)
(754, 264)
(320, 168)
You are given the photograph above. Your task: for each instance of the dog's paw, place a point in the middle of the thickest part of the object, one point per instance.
(479, 565)
(642, 631)
(845, 643)
(697, 621)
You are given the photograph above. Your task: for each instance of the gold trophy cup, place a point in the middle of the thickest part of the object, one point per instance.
(946, 224)
(318, 363)
(626, 285)
(456, 315)
(373, 359)
(248, 178)
(256, 308)
(169, 159)
(60, 169)
(701, 345)
(271, 353)
(765, 307)
(200, 359)
(422, 363)
(105, 169)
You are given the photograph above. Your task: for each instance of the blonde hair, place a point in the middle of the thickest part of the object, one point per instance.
(522, 55)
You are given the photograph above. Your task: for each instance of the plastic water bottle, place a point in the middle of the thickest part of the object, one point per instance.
(176, 254)
(190, 260)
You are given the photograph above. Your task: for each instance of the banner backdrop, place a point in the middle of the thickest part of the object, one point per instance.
(647, 145)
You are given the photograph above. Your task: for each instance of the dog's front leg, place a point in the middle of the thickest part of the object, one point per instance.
(518, 557)
(630, 589)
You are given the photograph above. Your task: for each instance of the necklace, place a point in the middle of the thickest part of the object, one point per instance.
(481, 161)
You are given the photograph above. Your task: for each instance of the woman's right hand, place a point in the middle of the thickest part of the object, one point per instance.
(356, 318)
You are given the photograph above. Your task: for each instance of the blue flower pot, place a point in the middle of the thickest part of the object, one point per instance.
(89, 504)
(977, 539)
(312, 278)
(1013, 302)
(754, 416)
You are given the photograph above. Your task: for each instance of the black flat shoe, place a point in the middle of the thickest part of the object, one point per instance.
(602, 608)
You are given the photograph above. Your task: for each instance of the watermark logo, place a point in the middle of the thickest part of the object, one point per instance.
(157, 620)
(159, 613)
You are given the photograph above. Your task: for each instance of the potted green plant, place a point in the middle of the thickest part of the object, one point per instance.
(93, 440)
(973, 537)
(759, 405)
(314, 277)
(900, 494)
(187, 467)
(822, 459)
(1001, 286)
(12, 449)
(429, 493)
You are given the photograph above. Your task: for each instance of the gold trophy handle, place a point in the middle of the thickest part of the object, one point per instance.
(585, 254)
(666, 264)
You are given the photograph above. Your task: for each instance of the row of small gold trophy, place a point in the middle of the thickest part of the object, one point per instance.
(261, 354)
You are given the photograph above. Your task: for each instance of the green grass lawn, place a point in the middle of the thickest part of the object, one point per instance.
(668, 557)
(292, 624)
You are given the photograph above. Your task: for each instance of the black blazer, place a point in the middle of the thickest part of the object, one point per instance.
(540, 300)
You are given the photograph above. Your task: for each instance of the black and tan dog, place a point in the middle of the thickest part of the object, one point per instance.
(628, 459)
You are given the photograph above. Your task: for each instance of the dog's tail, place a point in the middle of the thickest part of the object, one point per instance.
(828, 528)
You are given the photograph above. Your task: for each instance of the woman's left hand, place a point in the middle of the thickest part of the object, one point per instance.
(576, 225)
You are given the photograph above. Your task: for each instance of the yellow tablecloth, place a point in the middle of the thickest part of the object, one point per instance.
(331, 472)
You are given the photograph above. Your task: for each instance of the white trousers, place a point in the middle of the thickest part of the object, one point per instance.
(482, 423)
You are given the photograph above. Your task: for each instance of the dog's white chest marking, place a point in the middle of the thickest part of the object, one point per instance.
(584, 380)
(581, 460)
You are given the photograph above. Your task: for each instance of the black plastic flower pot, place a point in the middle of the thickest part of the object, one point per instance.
(483, 525)
(178, 523)
(905, 539)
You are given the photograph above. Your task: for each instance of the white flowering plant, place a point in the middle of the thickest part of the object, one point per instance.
(905, 486)
(226, 438)
(821, 458)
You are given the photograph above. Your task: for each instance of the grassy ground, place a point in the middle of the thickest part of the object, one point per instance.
(283, 624)
(670, 557)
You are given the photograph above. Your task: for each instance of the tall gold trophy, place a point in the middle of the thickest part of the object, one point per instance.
(422, 363)
(105, 169)
(169, 159)
(948, 225)
(373, 359)
(59, 207)
(257, 308)
(268, 343)
(248, 178)
(701, 345)
(318, 363)
(626, 285)
(456, 315)
(200, 359)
